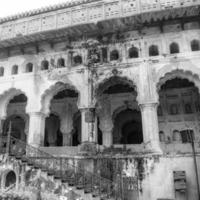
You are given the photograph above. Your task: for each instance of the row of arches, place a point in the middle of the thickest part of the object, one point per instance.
(15, 69)
(127, 123)
(174, 48)
(133, 52)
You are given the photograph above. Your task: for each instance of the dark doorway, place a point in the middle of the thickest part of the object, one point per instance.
(10, 179)
(132, 133)
(76, 136)
(128, 127)
(53, 135)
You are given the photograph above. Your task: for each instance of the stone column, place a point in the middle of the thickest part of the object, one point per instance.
(106, 123)
(36, 129)
(86, 128)
(150, 126)
(107, 137)
(106, 126)
(66, 125)
(67, 139)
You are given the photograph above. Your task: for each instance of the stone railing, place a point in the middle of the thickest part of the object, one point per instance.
(59, 17)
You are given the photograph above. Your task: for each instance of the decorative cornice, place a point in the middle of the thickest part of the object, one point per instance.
(46, 9)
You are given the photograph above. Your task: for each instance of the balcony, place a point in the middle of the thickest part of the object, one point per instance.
(55, 21)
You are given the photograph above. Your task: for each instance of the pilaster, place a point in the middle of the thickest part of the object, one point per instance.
(36, 129)
(88, 129)
(150, 126)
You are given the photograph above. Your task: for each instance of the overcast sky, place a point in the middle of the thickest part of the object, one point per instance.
(11, 7)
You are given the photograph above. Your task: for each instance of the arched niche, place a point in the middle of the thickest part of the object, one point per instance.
(10, 179)
(58, 91)
(180, 102)
(15, 119)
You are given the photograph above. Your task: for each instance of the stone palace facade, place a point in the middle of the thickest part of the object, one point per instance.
(100, 98)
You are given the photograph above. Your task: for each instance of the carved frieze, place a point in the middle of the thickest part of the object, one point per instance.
(63, 19)
(130, 7)
(34, 25)
(112, 9)
(48, 22)
(20, 28)
(95, 13)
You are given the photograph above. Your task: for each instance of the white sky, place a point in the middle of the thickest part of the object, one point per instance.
(12, 7)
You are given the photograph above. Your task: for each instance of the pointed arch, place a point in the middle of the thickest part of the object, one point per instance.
(174, 48)
(153, 50)
(195, 45)
(5, 98)
(107, 82)
(49, 93)
(178, 73)
(15, 69)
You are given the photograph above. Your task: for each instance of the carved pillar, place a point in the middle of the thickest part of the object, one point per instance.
(66, 126)
(107, 135)
(150, 126)
(106, 123)
(87, 128)
(106, 126)
(36, 129)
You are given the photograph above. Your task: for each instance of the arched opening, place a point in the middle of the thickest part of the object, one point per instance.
(77, 60)
(128, 127)
(153, 50)
(133, 52)
(29, 67)
(53, 135)
(1, 71)
(119, 109)
(76, 133)
(59, 126)
(114, 55)
(61, 62)
(179, 102)
(14, 70)
(44, 65)
(10, 179)
(174, 48)
(16, 122)
(195, 45)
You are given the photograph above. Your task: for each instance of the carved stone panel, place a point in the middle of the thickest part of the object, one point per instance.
(112, 10)
(130, 7)
(7, 31)
(48, 22)
(149, 5)
(166, 4)
(34, 25)
(20, 28)
(79, 16)
(95, 13)
(63, 19)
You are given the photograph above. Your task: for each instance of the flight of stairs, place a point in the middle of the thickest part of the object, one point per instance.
(64, 175)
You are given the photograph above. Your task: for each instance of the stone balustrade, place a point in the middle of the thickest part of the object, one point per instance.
(85, 12)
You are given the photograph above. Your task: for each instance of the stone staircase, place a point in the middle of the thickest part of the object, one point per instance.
(61, 172)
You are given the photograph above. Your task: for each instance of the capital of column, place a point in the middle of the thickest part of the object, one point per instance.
(144, 105)
(37, 113)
